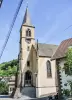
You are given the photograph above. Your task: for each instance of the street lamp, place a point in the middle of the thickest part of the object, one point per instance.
(1, 3)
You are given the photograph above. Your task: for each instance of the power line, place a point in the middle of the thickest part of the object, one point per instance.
(11, 27)
(54, 35)
(68, 27)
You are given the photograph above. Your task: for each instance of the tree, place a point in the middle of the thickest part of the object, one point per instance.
(68, 62)
(7, 69)
(3, 88)
(68, 67)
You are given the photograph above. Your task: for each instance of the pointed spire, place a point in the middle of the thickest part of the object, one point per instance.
(27, 20)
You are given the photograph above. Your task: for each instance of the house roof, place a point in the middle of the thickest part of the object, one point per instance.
(46, 50)
(62, 49)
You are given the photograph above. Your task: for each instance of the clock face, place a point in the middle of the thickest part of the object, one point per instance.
(28, 41)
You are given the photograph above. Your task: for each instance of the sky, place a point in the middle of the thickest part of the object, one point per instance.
(50, 18)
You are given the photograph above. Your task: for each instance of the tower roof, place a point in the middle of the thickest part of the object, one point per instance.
(27, 20)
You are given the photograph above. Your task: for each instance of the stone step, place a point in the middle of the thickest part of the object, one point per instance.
(29, 92)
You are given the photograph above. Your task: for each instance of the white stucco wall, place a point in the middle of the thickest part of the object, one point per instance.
(46, 85)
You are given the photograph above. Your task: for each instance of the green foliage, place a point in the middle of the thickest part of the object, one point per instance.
(70, 84)
(66, 92)
(68, 62)
(3, 88)
(68, 70)
(8, 68)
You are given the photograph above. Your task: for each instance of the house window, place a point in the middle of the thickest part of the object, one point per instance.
(48, 65)
(28, 33)
(11, 89)
(28, 63)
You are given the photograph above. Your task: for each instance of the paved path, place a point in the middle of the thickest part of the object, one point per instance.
(22, 98)
(26, 98)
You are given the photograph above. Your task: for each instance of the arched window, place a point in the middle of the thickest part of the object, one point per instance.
(49, 73)
(28, 33)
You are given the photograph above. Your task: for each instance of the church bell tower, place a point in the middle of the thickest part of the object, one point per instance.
(27, 39)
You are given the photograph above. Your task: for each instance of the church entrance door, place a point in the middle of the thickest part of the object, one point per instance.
(28, 78)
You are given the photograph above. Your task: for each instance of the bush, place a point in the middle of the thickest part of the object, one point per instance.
(3, 88)
(66, 92)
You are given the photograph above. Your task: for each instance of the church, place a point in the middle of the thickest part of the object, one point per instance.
(39, 72)
(39, 64)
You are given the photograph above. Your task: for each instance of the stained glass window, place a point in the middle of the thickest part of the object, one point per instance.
(49, 73)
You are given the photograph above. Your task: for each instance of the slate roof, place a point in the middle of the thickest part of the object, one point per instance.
(27, 19)
(46, 50)
(62, 49)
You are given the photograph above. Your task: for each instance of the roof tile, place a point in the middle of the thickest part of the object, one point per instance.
(46, 49)
(62, 49)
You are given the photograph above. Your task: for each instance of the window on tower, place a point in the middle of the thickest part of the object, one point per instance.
(28, 33)
(28, 63)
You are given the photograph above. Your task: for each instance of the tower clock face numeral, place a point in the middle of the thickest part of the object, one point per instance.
(28, 41)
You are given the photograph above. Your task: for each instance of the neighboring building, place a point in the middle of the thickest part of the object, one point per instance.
(11, 84)
(38, 71)
(10, 81)
(59, 56)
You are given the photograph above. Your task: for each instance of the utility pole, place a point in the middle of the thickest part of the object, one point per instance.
(1, 3)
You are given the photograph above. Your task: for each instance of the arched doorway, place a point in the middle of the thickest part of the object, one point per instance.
(28, 78)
